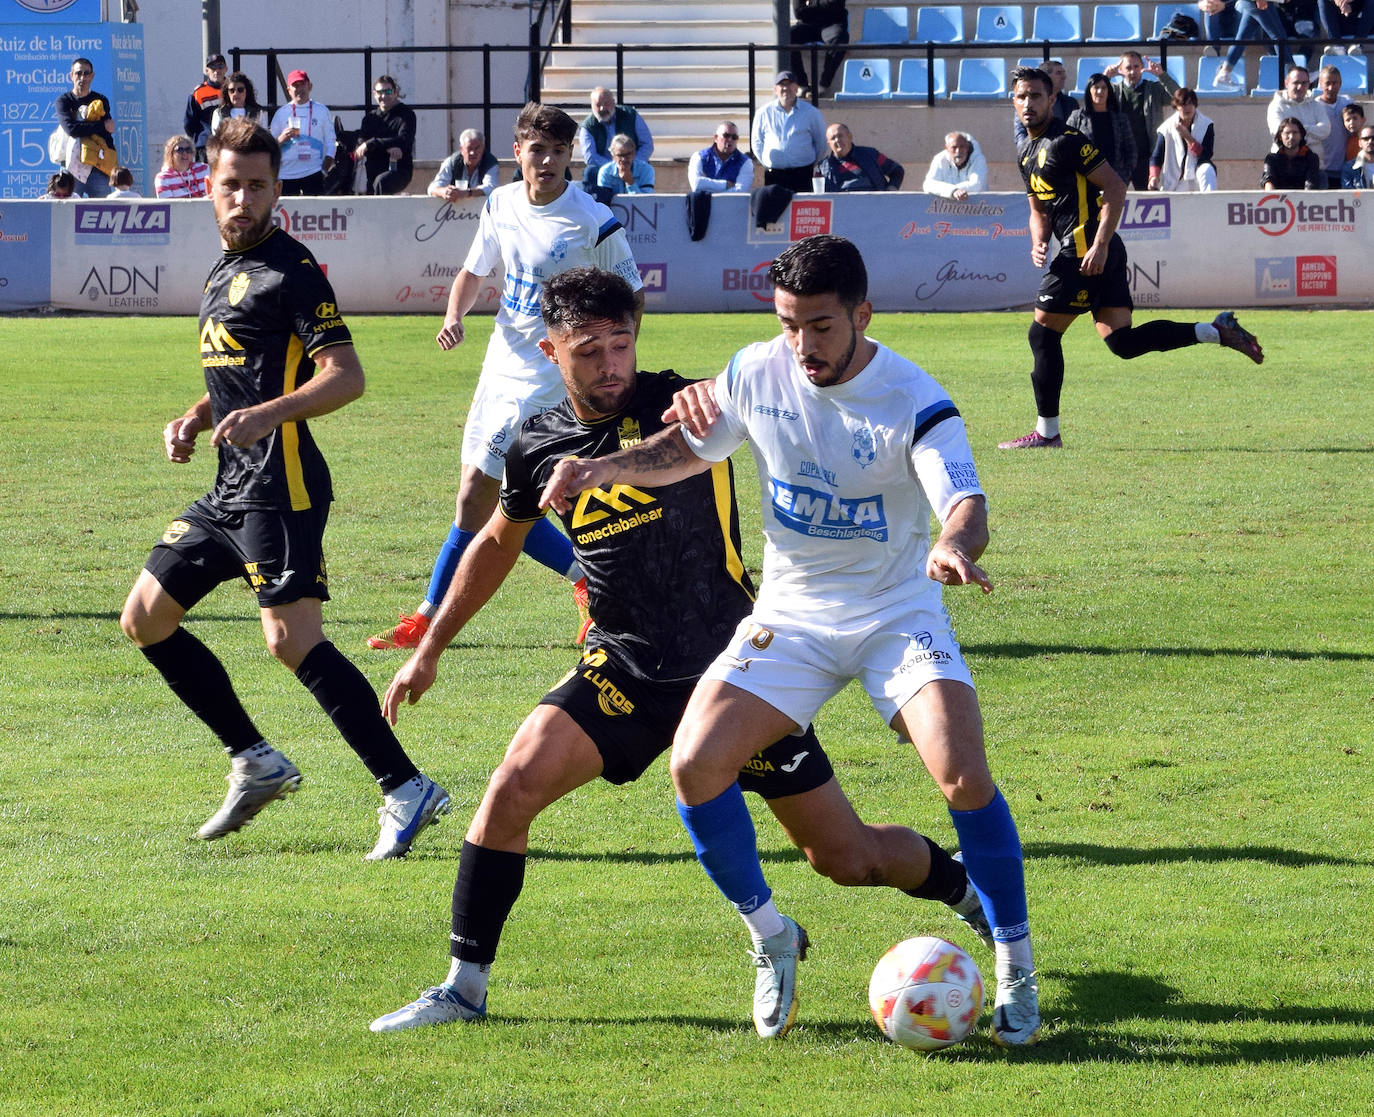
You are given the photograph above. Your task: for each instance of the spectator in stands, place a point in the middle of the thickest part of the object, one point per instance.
(1291, 165)
(1346, 19)
(1332, 102)
(626, 173)
(850, 167)
(386, 140)
(1255, 18)
(722, 167)
(1103, 122)
(959, 170)
(820, 21)
(1292, 101)
(240, 99)
(305, 130)
(788, 136)
(60, 185)
(1352, 121)
(1144, 103)
(86, 117)
(202, 103)
(1062, 108)
(606, 121)
(1358, 173)
(1182, 158)
(123, 182)
(1218, 20)
(468, 172)
(181, 175)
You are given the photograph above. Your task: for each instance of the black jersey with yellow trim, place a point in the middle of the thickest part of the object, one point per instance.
(1055, 166)
(266, 311)
(665, 576)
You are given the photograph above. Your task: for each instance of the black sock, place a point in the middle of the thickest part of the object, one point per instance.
(947, 880)
(197, 677)
(344, 693)
(1047, 369)
(1151, 337)
(489, 882)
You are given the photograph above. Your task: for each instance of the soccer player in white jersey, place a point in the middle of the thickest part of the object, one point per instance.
(537, 228)
(855, 447)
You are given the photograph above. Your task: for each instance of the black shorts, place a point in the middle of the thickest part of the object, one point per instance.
(632, 722)
(279, 554)
(1065, 290)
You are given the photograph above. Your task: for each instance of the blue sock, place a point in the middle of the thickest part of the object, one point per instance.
(549, 547)
(723, 835)
(992, 856)
(447, 562)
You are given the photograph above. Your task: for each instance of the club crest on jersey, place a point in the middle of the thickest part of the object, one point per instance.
(558, 250)
(629, 433)
(238, 287)
(864, 449)
(175, 530)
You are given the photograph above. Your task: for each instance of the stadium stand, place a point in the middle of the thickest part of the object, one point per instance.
(1207, 70)
(1165, 12)
(885, 25)
(1058, 23)
(943, 24)
(865, 79)
(1116, 23)
(1000, 23)
(914, 78)
(981, 78)
(1354, 70)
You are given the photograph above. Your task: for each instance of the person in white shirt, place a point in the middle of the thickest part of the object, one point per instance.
(305, 130)
(958, 171)
(721, 168)
(1293, 100)
(856, 447)
(534, 229)
(788, 137)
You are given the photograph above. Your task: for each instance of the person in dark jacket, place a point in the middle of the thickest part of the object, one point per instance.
(1103, 122)
(851, 167)
(820, 21)
(1293, 166)
(86, 117)
(386, 140)
(202, 103)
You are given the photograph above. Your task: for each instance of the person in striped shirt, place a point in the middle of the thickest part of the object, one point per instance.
(181, 176)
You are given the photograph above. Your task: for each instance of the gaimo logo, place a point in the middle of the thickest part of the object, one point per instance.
(1275, 214)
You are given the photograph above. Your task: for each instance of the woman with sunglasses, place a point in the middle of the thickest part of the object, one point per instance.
(240, 99)
(181, 176)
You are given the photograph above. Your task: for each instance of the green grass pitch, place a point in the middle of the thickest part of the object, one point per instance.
(1175, 672)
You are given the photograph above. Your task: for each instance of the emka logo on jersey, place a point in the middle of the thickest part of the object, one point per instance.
(123, 223)
(828, 515)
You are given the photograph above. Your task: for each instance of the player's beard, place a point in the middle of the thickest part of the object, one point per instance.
(235, 239)
(832, 374)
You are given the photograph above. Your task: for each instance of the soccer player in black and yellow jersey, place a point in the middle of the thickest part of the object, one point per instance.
(667, 588)
(276, 353)
(1076, 198)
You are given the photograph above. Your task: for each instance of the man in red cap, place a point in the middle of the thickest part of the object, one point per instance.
(305, 130)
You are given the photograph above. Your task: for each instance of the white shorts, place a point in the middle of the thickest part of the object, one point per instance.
(513, 387)
(796, 668)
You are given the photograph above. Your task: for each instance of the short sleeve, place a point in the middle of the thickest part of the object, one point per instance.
(315, 310)
(943, 459)
(729, 433)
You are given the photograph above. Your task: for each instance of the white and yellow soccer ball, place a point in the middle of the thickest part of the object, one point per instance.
(926, 993)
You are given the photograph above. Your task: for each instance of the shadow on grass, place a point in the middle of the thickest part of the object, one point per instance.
(1156, 855)
(1020, 650)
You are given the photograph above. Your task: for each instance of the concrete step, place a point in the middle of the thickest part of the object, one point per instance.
(595, 11)
(719, 31)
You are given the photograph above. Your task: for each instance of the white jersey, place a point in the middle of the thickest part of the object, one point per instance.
(314, 142)
(535, 243)
(849, 477)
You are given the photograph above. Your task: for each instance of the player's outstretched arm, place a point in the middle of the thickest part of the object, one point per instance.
(660, 460)
(179, 436)
(484, 566)
(338, 381)
(963, 537)
(695, 407)
(461, 296)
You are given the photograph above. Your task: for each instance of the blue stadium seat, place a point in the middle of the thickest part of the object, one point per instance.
(1060, 23)
(1165, 12)
(1088, 65)
(1115, 22)
(1354, 70)
(943, 24)
(865, 79)
(1000, 23)
(1207, 70)
(912, 78)
(981, 79)
(1268, 80)
(886, 25)
(1177, 66)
